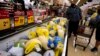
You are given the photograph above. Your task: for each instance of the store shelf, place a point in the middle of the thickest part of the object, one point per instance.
(9, 33)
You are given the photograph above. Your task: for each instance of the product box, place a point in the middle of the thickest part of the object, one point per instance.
(30, 16)
(19, 18)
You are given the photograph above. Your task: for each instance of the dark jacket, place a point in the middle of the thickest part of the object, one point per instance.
(74, 13)
(98, 21)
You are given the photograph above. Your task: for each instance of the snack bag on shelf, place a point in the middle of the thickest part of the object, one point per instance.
(31, 44)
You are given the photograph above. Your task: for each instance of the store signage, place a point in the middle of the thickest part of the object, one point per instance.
(19, 18)
(4, 23)
(4, 14)
(4, 19)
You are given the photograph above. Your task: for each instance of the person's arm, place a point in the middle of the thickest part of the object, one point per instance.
(93, 16)
(68, 13)
(80, 13)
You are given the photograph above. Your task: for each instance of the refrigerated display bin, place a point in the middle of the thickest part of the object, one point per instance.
(6, 43)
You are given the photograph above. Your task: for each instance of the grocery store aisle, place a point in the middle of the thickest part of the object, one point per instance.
(79, 51)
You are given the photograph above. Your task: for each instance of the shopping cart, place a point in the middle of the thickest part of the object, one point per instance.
(84, 36)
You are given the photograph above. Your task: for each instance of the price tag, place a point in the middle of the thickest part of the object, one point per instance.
(21, 19)
(31, 19)
(4, 24)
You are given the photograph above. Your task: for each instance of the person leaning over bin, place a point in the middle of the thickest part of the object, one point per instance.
(74, 15)
(97, 26)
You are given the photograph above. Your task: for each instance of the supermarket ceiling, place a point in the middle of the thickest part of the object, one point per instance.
(78, 2)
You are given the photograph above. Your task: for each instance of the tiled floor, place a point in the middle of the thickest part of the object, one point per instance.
(79, 50)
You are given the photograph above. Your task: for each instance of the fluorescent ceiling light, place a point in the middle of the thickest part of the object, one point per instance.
(78, 2)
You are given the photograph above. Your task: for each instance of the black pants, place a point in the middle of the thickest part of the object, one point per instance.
(98, 34)
(72, 28)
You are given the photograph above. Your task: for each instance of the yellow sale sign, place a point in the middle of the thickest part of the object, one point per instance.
(4, 23)
(19, 21)
(30, 19)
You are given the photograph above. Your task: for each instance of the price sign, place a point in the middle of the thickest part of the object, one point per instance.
(19, 21)
(30, 19)
(4, 23)
(22, 20)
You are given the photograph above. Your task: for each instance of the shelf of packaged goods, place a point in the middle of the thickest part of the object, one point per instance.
(30, 16)
(17, 30)
(19, 21)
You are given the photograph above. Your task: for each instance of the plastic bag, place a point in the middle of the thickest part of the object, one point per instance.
(57, 39)
(44, 42)
(49, 53)
(39, 31)
(30, 45)
(46, 32)
(32, 34)
(16, 51)
(52, 33)
(34, 54)
(61, 33)
(4, 53)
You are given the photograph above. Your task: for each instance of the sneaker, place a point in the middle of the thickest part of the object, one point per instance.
(94, 49)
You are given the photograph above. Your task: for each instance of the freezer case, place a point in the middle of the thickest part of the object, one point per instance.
(7, 44)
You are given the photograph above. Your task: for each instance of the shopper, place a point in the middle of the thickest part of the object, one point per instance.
(64, 10)
(97, 21)
(92, 19)
(73, 14)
